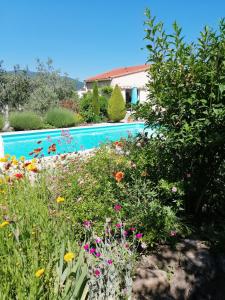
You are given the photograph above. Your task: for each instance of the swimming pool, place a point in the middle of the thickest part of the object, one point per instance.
(59, 141)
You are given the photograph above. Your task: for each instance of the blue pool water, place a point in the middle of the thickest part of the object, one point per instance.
(76, 139)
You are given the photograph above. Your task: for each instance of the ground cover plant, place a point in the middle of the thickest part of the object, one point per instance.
(69, 225)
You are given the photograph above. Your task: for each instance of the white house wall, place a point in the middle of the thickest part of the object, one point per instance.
(138, 80)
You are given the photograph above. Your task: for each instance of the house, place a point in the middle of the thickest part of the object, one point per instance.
(131, 80)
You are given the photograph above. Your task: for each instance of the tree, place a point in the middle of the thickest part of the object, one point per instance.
(15, 88)
(95, 100)
(116, 106)
(187, 107)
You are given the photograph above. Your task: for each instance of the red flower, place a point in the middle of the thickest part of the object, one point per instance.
(18, 175)
(119, 225)
(97, 272)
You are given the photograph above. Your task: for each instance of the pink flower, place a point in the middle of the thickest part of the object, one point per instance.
(86, 247)
(97, 272)
(117, 207)
(118, 225)
(87, 224)
(92, 251)
(174, 189)
(109, 261)
(125, 233)
(98, 240)
(132, 229)
(97, 254)
(173, 233)
(139, 236)
(188, 175)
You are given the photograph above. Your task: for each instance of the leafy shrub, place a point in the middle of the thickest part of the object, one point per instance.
(106, 91)
(1, 122)
(78, 119)
(60, 117)
(116, 106)
(87, 111)
(25, 121)
(187, 109)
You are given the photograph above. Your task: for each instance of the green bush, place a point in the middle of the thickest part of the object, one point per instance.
(60, 117)
(1, 122)
(78, 119)
(187, 108)
(116, 106)
(25, 121)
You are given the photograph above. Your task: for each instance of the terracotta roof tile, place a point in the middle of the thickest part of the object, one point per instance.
(118, 72)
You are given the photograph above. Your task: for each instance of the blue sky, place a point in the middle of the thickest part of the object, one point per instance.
(88, 37)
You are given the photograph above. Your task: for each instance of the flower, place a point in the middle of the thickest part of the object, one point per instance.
(18, 175)
(173, 233)
(3, 159)
(144, 245)
(86, 247)
(87, 224)
(98, 240)
(97, 272)
(118, 144)
(109, 261)
(119, 176)
(174, 189)
(139, 236)
(118, 225)
(117, 207)
(132, 229)
(69, 256)
(97, 254)
(32, 167)
(22, 158)
(39, 273)
(60, 199)
(125, 233)
(92, 251)
(3, 224)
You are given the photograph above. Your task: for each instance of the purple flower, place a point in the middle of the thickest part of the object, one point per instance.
(174, 189)
(86, 247)
(109, 261)
(87, 224)
(92, 251)
(97, 254)
(117, 207)
(139, 236)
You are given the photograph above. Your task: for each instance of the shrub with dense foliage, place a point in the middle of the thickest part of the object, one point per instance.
(116, 106)
(60, 117)
(25, 121)
(187, 108)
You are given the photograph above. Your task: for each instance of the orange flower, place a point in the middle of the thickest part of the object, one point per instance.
(118, 144)
(119, 176)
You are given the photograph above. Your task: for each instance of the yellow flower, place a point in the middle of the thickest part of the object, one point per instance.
(32, 167)
(39, 273)
(22, 158)
(15, 162)
(60, 200)
(69, 256)
(34, 161)
(3, 159)
(3, 224)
